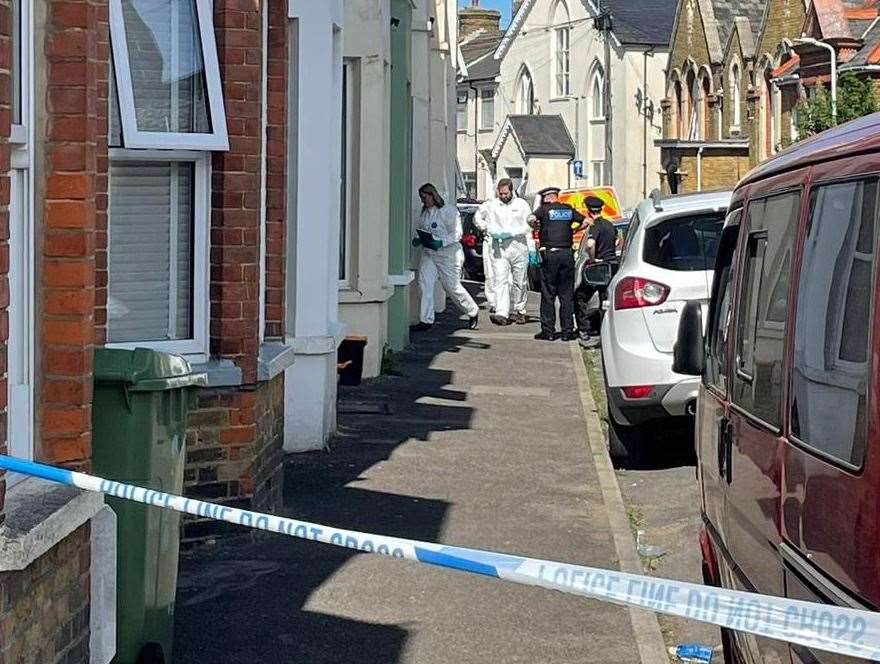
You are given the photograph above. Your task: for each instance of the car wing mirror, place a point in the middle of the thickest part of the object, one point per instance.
(689, 354)
(598, 274)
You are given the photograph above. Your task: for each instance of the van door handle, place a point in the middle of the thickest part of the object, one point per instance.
(725, 450)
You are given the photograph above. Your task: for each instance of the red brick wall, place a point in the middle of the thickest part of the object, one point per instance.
(235, 218)
(76, 147)
(5, 98)
(44, 609)
(276, 168)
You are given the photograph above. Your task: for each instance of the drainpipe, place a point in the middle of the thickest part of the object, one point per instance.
(700, 168)
(833, 52)
(476, 144)
(645, 127)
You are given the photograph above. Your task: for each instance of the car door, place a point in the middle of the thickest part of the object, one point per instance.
(754, 437)
(712, 405)
(829, 500)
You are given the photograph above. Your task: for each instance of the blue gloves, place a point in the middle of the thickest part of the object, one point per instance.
(434, 244)
(501, 237)
(533, 259)
(416, 242)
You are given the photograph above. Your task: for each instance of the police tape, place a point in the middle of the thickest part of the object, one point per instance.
(834, 629)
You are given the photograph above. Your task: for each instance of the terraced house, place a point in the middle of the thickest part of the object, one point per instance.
(172, 175)
(737, 71)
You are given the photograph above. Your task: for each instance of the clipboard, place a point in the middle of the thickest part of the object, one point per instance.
(425, 237)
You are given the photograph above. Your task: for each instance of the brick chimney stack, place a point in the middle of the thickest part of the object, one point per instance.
(473, 18)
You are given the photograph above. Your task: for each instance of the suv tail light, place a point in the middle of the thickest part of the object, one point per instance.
(635, 292)
(469, 240)
(637, 391)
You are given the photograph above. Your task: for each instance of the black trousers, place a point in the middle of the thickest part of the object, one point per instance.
(588, 320)
(557, 281)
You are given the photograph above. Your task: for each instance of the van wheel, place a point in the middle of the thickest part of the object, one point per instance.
(151, 653)
(625, 445)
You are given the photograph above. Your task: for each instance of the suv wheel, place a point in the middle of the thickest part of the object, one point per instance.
(625, 444)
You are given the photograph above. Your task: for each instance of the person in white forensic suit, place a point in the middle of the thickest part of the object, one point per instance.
(504, 219)
(438, 234)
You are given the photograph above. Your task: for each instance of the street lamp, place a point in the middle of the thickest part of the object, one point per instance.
(830, 49)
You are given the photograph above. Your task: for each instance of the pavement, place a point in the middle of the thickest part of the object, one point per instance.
(481, 441)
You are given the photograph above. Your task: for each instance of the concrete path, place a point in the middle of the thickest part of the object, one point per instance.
(481, 442)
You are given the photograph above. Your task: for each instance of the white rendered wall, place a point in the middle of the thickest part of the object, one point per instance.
(310, 384)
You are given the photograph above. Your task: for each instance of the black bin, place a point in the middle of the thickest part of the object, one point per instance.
(350, 357)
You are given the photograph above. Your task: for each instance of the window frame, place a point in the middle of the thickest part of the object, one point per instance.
(20, 131)
(526, 93)
(712, 330)
(461, 113)
(350, 99)
(196, 347)
(747, 232)
(132, 136)
(735, 97)
(487, 96)
(562, 61)
(809, 448)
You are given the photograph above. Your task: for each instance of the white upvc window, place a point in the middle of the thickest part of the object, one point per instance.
(461, 112)
(21, 341)
(157, 250)
(167, 74)
(348, 173)
(487, 109)
(20, 70)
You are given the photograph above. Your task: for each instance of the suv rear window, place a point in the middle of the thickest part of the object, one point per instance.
(686, 244)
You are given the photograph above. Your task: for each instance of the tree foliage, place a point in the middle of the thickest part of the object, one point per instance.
(855, 98)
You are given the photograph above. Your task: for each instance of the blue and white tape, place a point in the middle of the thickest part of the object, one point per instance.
(839, 630)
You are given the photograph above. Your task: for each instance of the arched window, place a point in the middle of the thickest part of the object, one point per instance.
(597, 94)
(768, 108)
(525, 94)
(694, 107)
(561, 50)
(735, 97)
(705, 115)
(678, 104)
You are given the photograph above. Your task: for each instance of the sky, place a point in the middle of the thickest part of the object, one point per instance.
(503, 5)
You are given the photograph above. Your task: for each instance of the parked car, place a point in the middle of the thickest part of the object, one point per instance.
(667, 260)
(471, 241)
(788, 401)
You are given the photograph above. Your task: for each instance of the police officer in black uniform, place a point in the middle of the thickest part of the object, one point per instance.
(601, 242)
(557, 223)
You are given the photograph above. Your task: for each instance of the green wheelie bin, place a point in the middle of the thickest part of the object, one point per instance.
(139, 413)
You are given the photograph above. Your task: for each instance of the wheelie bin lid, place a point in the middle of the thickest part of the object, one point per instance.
(145, 370)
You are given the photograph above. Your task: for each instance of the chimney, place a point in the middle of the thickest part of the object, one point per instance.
(473, 18)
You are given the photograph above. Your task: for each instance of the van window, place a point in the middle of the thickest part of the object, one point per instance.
(763, 303)
(829, 382)
(685, 244)
(719, 307)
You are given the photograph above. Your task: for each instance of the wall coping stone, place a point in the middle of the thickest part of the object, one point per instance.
(274, 358)
(39, 515)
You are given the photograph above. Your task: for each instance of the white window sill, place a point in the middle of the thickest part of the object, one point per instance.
(273, 359)
(376, 294)
(39, 515)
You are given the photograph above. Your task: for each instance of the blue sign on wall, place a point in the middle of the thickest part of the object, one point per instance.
(578, 168)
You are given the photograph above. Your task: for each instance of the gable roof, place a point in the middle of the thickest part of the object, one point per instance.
(477, 52)
(645, 23)
(536, 135)
(719, 17)
(869, 54)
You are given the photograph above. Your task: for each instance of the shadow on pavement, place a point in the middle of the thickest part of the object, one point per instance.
(245, 599)
(662, 444)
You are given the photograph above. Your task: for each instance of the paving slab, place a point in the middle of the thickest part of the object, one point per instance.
(480, 443)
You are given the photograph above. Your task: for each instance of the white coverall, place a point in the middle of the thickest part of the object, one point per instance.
(510, 256)
(443, 264)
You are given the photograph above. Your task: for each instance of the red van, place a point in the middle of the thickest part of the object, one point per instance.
(790, 394)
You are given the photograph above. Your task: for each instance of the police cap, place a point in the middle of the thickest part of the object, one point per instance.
(548, 190)
(594, 203)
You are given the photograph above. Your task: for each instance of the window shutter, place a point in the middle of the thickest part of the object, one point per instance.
(150, 249)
